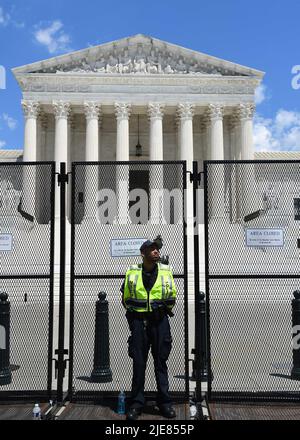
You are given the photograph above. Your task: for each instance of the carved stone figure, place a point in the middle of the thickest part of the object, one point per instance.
(100, 65)
(112, 64)
(139, 54)
(168, 69)
(140, 66)
(181, 66)
(151, 68)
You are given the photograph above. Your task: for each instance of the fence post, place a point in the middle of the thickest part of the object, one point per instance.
(102, 371)
(295, 374)
(5, 371)
(200, 363)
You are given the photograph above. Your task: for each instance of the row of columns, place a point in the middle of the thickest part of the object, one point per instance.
(241, 138)
(240, 129)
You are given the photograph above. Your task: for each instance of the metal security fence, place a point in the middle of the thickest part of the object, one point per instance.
(252, 270)
(112, 201)
(26, 280)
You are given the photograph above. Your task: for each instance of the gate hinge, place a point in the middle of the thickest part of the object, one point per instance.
(62, 178)
(196, 177)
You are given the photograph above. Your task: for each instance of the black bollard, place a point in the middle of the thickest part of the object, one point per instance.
(295, 374)
(5, 371)
(102, 371)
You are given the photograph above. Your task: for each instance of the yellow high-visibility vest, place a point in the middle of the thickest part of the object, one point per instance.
(136, 297)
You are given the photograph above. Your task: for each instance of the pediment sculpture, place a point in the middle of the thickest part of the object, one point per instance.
(140, 61)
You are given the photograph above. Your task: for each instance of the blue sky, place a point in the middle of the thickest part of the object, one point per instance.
(257, 33)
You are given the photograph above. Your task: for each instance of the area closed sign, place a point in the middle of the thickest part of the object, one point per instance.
(5, 242)
(264, 237)
(126, 247)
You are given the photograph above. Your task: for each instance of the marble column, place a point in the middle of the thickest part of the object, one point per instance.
(185, 113)
(216, 176)
(31, 111)
(155, 113)
(92, 112)
(62, 111)
(71, 128)
(215, 117)
(247, 191)
(245, 113)
(234, 169)
(122, 111)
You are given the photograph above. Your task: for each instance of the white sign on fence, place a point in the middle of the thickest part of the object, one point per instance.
(264, 237)
(126, 247)
(5, 242)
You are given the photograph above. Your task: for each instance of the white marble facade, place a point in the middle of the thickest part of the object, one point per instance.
(84, 105)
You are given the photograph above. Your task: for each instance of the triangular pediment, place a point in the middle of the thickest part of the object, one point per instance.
(138, 55)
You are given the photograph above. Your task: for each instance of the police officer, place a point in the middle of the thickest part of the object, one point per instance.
(149, 294)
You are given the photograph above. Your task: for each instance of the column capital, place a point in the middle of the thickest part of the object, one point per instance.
(155, 110)
(122, 110)
(215, 112)
(245, 111)
(31, 109)
(62, 109)
(92, 110)
(185, 111)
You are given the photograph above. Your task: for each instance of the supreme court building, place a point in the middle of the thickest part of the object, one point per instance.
(92, 104)
(138, 99)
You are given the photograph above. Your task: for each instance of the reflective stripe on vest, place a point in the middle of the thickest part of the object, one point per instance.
(160, 302)
(137, 303)
(132, 281)
(163, 288)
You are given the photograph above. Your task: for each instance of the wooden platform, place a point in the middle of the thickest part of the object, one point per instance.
(18, 411)
(107, 411)
(248, 411)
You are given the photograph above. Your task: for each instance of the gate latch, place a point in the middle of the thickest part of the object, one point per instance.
(196, 177)
(62, 178)
(56, 362)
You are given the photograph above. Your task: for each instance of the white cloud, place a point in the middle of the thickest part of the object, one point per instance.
(2, 144)
(260, 94)
(11, 122)
(279, 134)
(53, 37)
(7, 19)
(4, 17)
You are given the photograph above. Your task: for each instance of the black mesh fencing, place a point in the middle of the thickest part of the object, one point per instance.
(114, 201)
(252, 270)
(26, 277)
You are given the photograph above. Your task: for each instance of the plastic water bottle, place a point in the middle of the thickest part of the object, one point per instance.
(121, 402)
(36, 413)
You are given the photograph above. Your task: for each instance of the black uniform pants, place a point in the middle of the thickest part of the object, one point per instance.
(157, 335)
